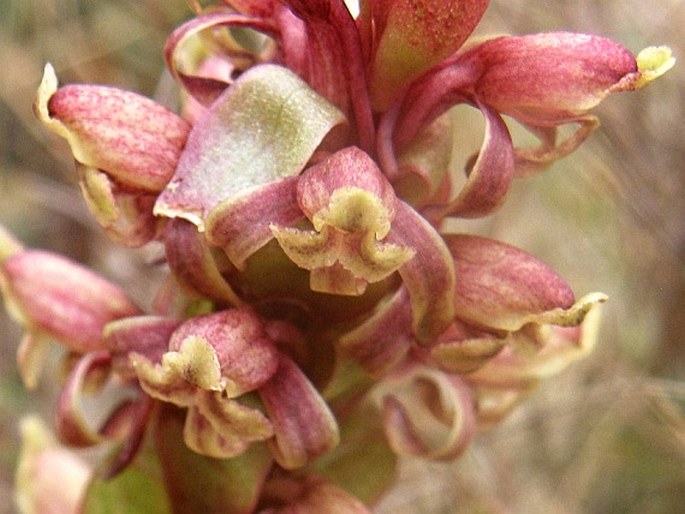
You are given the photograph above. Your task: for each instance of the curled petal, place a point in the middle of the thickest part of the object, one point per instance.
(428, 414)
(532, 160)
(244, 352)
(241, 225)
(131, 138)
(333, 52)
(652, 62)
(541, 79)
(501, 287)
(304, 426)
(205, 484)
(205, 89)
(429, 276)
(126, 216)
(71, 424)
(181, 373)
(467, 355)
(341, 263)
(463, 349)
(349, 168)
(215, 425)
(263, 128)
(125, 421)
(519, 366)
(490, 177)
(420, 171)
(414, 36)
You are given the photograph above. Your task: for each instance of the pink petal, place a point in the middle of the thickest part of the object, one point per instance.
(222, 428)
(383, 340)
(428, 276)
(71, 423)
(463, 349)
(50, 479)
(509, 376)
(333, 46)
(146, 335)
(490, 177)
(351, 206)
(500, 287)
(242, 225)
(202, 88)
(304, 426)
(63, 299)
(126, 216)
(420, 171)
(548, 75)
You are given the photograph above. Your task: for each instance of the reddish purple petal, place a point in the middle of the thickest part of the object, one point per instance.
(428, 276)
(382, 341)
(145, 335)
(490, 177)
(500, 287)
(206, 89)
(304, 426)
(63, 299)
(245, 353)
(548, 75)
(71, 422)
(335, 53)
(242, 225)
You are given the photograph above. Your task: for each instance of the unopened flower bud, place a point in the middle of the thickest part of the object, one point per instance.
(134, 140)
(57, 298)
(50, 479)
(558, 74)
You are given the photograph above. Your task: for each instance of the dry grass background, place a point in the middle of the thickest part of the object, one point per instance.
(607, 435)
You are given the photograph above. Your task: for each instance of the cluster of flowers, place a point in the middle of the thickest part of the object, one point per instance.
(316, 321)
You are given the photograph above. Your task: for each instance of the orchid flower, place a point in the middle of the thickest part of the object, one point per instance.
(313, 300)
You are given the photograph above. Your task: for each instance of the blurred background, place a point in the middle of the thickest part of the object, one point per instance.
(605, 436)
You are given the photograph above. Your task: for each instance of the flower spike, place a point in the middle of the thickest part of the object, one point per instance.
(318, 318)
